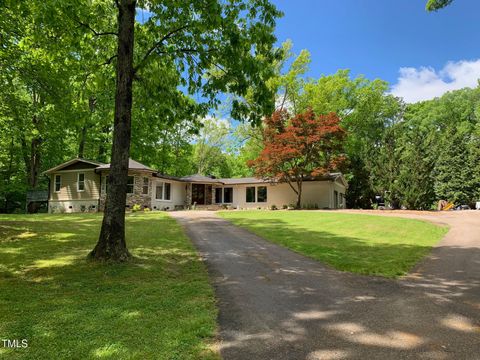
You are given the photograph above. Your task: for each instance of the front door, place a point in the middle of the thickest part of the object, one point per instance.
(198, 194)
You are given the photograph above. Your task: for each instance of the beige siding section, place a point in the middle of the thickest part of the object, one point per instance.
(68, 189)
(317, 193)
(178, 195)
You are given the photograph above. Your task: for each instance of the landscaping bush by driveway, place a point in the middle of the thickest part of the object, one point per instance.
(159, 306)
(364, 244)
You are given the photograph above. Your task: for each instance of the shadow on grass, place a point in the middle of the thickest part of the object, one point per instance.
(275, 304)
(346, 253)
(156, 306)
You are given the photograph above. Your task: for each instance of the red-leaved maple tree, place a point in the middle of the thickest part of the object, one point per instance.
(307, 146)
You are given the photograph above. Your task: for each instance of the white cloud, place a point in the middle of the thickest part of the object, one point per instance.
(425, 83)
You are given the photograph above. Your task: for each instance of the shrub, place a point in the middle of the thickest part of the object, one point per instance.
(284, 206)
(146, 209)
(273, 207)
(136, 208)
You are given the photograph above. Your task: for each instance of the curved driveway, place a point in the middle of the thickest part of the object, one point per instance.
(276, 304)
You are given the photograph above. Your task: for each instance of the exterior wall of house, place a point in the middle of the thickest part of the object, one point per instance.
(69, 198)
(71, 206)
(178, 195)
(137, 197)
(340, 193)
(315, 193)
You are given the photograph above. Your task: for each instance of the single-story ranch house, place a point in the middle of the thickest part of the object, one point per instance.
(81, 185)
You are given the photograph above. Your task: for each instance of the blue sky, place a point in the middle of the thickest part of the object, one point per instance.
(377, 38)
(422, 55)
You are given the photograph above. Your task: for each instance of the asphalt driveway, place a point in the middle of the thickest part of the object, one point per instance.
(276, 304)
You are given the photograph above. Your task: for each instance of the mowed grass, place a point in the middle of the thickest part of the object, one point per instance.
(364, 244)
(159, 306)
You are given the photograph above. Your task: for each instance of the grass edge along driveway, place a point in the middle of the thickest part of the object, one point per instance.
(358, 243)
(159, 306)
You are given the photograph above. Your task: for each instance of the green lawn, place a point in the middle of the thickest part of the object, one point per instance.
(159, 306)
(365, 244)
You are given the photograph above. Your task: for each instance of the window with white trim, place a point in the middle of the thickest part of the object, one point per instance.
(130, 183)
(145, 186)
(163, 191)
(261, 194)
(58, 182)
(81, 182)
(250, 194)
(105, 184)
(227, 195)
(218, 195)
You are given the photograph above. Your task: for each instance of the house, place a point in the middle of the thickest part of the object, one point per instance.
(80, 185)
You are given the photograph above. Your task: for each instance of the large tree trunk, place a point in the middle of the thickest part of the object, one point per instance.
(92, 101)
(83, 137)
(31, 157)
(102, 148)
(111, 244)
(299, 195)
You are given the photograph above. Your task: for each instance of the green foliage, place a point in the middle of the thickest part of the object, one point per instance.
(434, 5)
(58, 79)
(56, 297)
(365, 244)
(439, 150)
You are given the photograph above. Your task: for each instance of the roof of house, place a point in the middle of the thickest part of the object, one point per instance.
(200, 178)
(254, 180)
(132, 165)
(73, 161)
(195, 178)
(245, 180)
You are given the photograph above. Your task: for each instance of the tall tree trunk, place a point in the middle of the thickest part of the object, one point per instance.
(83, 137)
(299, 194)
(92, 102)
(31, 157)
(102, 150)
(111, 244)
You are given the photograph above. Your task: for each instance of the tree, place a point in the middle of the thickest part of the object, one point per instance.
(434, 5)
(209, 147)
(303, 147)
(212, 47)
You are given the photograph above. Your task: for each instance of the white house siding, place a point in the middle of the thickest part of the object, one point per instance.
(72, 206)
(315, 193)
(177, 195)
(340, 188)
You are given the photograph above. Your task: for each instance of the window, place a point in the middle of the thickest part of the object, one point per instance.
(262, 194)
(218, 195)
(250, 194)
(81, 182)
(105, 184)
(166, 191)
(228, 195)
(58, 182)
(130, 183)
(163, 191)
(159, 191)
(145, 186)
